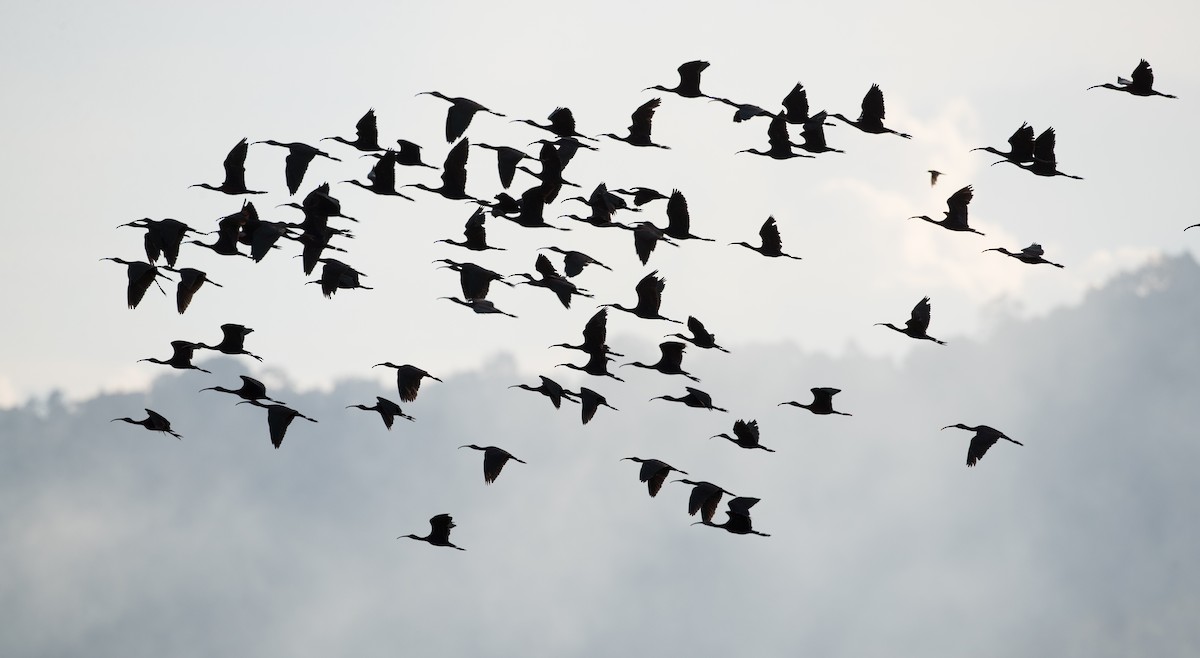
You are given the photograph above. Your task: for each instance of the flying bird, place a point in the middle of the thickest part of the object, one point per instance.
(639, 128)
(649, 292)
(367, 137)
(705, 498)
(689, 81)
(575, 261)
(251, 389)
(387, 410)
(181, 356)
(985, 437)
(653, 472)
(408, 379)
(141, 275)
(458, 117)
(670, 361)
(439, 532)
(933, 176)
(299, 156)
(747, 435)
(154, 422)
(700, 336)
(550, 389)
(475, 234)
(956, 217)
(1044, 162)
(494, 460)
(870, 120)
(454, 175)
(232, 341)
(1141, 82)
(917, 324)
(822, 403)
(279, 417)
(507, 159)
(1020, 146)
(591, 402)
(235, 173)
(779, 141)
(694, 398)
(1031, 254)
(738, 521)
(772, 244)
(163, 237)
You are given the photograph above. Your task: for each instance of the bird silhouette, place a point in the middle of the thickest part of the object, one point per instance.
(382, 178)
(409, 154)
(700, 336)
(1044, 162)
(550, 389)
(822, 403)
(670, 361)
(163, 237)
(408, 379)
(1031, 254)
(141, 275)
(694, 398)
(479, 306)
(933, 176)
(653, 472)
(458, 117)
(639, 128)
(181, 356)
(956, 217)
(596, 366)
(154, 422)
(813, 133)
(454, 175)
(742, 111)
(649, 293)
(705, 498)
(1141, 82)
(772, 244)
(917, 324)
(747, 435)
(532, 206)
(251, 389)
(367, 138)
(795, 105)
(738, 521)
(985, 437)
(387, 410)
(679, 219)
(590, 402)
(336, 275)
(646, 237)
(299, 156)
(232, 341)
(553, 281)
(475, 233)
(689, 81)
(474, 280)
(229, 231)
(494, 460)
(1020, 146)
(190, 281)
(565, 148)
(561, 123)
(642, 195)
(870, 120)
(575, 261)
(779, 141)
(507, 159)
(595, 333)
(235, 173)
(439, 532)
(279, 417)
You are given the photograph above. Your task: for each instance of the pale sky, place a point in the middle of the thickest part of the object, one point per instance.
(113, 111)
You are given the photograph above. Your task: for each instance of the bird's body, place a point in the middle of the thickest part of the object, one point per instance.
(554, 282)
(746, 433)
(494, 460)
(694, 398)
(813, 133)
(439, 532)
(235, 173)
(336, 275)
(389, 411)
(590, 403)
(475, 280)
(1140, 82)
(575, 261)
(689, 80)
(649, 292)
(670, 361)
(458, 117)
(918, 323)
(367, 137)
(772, 244)
(1044, 163)
(822, 403)
(154, 421)
(956, 217)
(299, 156)
(639, 128)
(163, 237)
(1031, 255)
(779, 141)
(743, 111)
(507, 159)
(251, 389)
(550, 389)
(679, 219)
(382, 178)
(705, 498)
(279, 417)
(870, 120)
(653, 472)
(181, 356)
(595, 333)
(454, 175)
(700, 336)
(1020, 146)
(233, 341)
(985, 437)
(642, 195)
(408, 379)
(597, 366)
(475, 234)
(738, 521)
(141, 276)
(561, 123)
(933, 176)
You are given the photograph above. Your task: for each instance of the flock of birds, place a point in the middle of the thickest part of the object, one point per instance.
(243, 234)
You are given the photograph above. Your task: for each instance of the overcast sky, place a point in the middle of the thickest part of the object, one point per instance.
(127, 543)
(113, 111)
